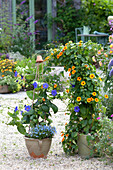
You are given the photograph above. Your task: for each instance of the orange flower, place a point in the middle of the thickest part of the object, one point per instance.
(67, 90)
(2, 75)
(91, 99)
(46, 58)
(83, 83)
(55, 85)
(96, 99)
(69, 69)
(67, 135)
(63, 139)
(51, 53)
(74, 71)
(65, 48)
(58, 56)
(88, 100)
(106, 96)
(65, 124)
(69, 74)
(65, 113)
(88, 68)
(78, 99)
(42, 87)
(94, 93)
(43, 99)
(62, 134)
(92, 76)
(2, 71)
(85, 65)
(79, 78)
(73, 67)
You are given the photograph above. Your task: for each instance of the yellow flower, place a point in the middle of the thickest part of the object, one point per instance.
(94, 93)
(88, 100)
(111, 46)
(105, 55)
(92, 76)
(83, 83)
(79, 78)
(78, 99)
(69, 69)
(55, 85)
(51, 53)
(91, 99)
(74, 71)
(46, 58)
(99, 52)
(65, 48)
(10, 70)
(93, 115)
(106, 96)
(111, 52)
(58, 56)
(100, 79)
(73, 67)
(2, 75)
(67, 90)
(96, 99)
(100, 63)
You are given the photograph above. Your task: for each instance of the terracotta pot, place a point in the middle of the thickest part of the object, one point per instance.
(38, 148)
(4, 89)
(84, 150)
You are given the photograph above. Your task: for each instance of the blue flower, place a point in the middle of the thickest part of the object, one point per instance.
(16, 108)
(110, 64)
(45, 85)
(76, 109)
(54, 92)
(16, 73)
(22, 77)
(16, 80)
(111, 73)
(35, 85)
(27, 108)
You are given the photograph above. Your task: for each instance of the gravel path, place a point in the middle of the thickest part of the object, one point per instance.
(14, 155)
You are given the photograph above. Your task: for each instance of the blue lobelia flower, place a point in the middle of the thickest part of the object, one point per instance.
(110, 64)
(16, 108)
(16, 73)
(35, 85)
(54, 92)
(76, 109)
(111, 73)
(27, 108)
(45, 85)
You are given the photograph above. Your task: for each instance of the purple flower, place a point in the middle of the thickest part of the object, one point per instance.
(35, 85)
(98, 118)
(45, 85)
(22, 2)
(16, 73)
(25, 38)
(54, 92)
(111, 73)
(35, 21)
(76, 109)
(27, 108)
(29, 18)
(22, 13)
(16, 108)
(29, 33)
(110, 64)
(112, 115)
(7, 56)
(94, 4)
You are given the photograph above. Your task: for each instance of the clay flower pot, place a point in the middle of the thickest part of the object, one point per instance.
(38, 148)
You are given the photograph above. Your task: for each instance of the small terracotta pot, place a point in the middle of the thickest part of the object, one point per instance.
(4, 89)
(38, 148)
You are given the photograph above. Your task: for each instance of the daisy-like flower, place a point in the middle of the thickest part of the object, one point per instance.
(94, 93)
(74, 71)
(69, 69)
(60, 54)
(73, 67)
(88, 100)
(96, 99)
(99, 52)
(79, 78)
(92, 76)
(78, 99)
(27, 108)
(91, 99)
(65, 48)
(83, 83)
(106, 96)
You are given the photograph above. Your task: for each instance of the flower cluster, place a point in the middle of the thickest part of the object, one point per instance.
(41, 132)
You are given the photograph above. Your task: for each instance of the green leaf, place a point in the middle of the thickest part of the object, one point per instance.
(30, 95)
(45, 108)
(30, 76)
(21, 129)
(54, 107)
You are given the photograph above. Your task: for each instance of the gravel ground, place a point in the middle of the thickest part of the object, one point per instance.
(14, 154)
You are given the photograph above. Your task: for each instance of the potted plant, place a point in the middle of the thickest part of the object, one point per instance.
(82, 92)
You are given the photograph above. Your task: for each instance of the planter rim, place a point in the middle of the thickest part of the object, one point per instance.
(37, 139)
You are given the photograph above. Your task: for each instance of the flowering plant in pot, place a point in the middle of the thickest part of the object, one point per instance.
(34, 120)
(83, 91)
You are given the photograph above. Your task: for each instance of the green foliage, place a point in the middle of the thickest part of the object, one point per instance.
(104, 147)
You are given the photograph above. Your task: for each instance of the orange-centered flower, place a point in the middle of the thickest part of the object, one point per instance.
(69, 69)
(85, 65)
(74, 71)
(83, 83)
(62, 134)
(79, 78)
(55, 85)
(78, 99)
(73, 67)
(69, 74)
(92, 76)
(58, 56)
(65, 48)
(106, 96)
(91, 99)
(63, 139)
(67, 135)
(96, 99)
(94, 93)
(88, 100)
(67, 90)
(43, 99)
